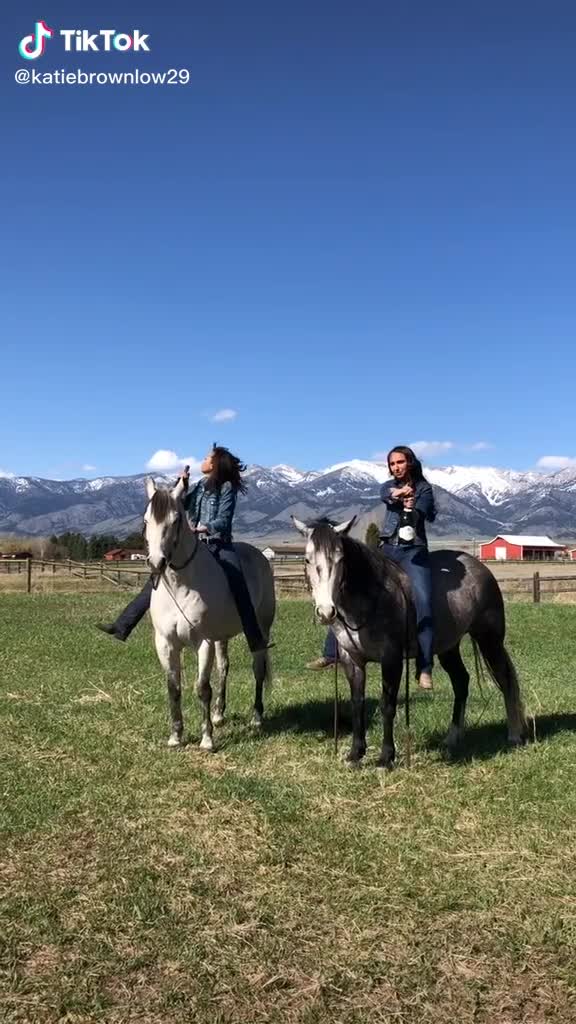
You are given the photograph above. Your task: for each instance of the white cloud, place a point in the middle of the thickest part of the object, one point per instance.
(4, 474)
(224, 415)
(430, 448)
(87, 468)
(553, 462)
(166, 461)
(480, 446)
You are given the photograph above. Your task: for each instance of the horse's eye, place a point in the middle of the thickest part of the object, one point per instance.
(307, 560)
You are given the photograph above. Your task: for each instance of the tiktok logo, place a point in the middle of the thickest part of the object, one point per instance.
(33, 46)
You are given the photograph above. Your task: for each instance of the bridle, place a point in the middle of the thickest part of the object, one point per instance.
(174, 545)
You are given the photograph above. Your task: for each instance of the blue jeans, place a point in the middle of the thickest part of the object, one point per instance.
(330, 646)
(229, 560)
(415, 560)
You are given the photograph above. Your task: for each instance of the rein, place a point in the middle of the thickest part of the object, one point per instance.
(178, 568)
(350, 629)
(156, 577)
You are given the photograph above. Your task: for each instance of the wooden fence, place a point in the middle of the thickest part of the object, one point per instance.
(289, 579)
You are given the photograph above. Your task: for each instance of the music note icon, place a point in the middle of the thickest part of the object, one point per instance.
(31, 47)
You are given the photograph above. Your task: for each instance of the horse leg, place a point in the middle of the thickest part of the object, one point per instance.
(169, 658)
(455, 668)
(391, 679)
(261, 670)
(223, 666)
(503, 672)
(356, 676)
(204, 691)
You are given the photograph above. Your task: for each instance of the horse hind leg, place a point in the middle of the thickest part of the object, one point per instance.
(451, 662)
(223, 667)
(503, 672)
(204, 691)
(169, 658)
(262, 676)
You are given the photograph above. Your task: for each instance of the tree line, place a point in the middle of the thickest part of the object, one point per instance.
(70, 545)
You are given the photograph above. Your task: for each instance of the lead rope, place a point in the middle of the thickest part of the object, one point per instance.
(407, 692)
(336, 701)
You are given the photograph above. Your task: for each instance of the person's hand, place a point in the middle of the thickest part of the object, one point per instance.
(201, 528)
(398, 493)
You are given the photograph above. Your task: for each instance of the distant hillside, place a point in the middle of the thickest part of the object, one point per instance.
(472, 501)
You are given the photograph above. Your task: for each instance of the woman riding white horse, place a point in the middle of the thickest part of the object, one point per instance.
(210, 505)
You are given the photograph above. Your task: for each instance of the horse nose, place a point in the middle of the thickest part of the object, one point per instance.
(326, 613)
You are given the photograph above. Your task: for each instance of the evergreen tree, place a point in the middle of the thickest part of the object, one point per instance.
(372, 538)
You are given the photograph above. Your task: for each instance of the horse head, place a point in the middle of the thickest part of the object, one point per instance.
(324, 563)
(162, 523)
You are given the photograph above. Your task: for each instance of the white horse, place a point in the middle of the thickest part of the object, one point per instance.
(192, 606)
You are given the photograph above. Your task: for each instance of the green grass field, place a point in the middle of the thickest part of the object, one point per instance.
(268, 882)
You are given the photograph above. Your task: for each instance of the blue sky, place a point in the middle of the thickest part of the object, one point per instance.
(354, 227)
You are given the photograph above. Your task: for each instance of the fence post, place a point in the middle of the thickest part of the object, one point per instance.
(101, 570)
(28, 575)
(536, 588)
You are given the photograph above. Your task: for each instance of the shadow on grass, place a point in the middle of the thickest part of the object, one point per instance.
(315, 716)
(485, 741)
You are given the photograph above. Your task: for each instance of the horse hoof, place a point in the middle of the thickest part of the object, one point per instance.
(256, 722)
(174, 741)
(384, 765)
(353, 759)
(515, 742)
(206, 743)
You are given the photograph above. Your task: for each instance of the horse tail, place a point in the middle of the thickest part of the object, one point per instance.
(490, 652)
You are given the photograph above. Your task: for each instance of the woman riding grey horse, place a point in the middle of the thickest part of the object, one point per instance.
(210, 506)
(366, 598)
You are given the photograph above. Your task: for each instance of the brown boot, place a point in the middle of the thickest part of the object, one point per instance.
(320, 663)
(425, 681)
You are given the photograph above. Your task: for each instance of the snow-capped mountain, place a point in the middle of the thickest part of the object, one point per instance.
(472, 501)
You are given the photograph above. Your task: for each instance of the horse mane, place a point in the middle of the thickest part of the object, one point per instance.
(366, 570)
(160, 504)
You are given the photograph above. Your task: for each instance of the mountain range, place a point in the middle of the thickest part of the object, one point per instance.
(473, 501)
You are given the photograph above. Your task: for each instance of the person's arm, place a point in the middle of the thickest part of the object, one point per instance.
(189, 500)
(222, 523)
(424, 502)
(394, 504)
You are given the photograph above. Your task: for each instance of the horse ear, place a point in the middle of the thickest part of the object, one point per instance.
(150, 487)
(179, 489)
(345, 528)
(301, 527)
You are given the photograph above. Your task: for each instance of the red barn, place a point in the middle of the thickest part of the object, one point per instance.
(116, 555)
(519, 547)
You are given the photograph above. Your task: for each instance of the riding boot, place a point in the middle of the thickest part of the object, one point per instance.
(129, 618)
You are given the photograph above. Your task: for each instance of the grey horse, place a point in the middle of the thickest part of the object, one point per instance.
(365, 598)
(193, 606)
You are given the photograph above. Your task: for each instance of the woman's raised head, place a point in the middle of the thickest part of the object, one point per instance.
(220, 466)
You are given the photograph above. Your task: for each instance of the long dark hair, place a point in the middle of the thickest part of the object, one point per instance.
(226, 468)
(415, 472)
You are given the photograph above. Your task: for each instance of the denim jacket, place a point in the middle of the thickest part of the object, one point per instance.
(423, 506)
(214, 509)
